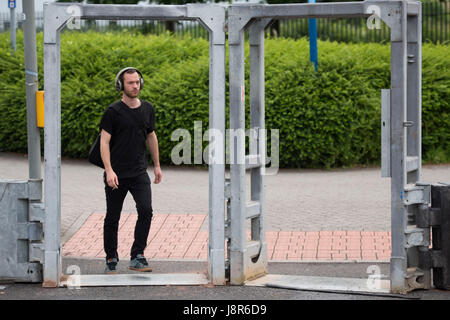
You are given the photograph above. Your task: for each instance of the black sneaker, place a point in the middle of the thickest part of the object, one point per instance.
(140, 264)
(111, 266)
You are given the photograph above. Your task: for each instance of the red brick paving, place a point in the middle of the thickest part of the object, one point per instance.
(178, 236)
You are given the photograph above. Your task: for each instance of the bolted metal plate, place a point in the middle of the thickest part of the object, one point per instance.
(16, 233)
(322, 283)
(114, 280)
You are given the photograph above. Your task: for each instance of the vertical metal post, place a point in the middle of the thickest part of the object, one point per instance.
(12, 27)
(237, 155)
(248, 257)
(31, 81)
(213, 17)
(52, 151)
(216, 247)
(414, 134)
(257, 123)
(414, 97)
(398, 265)
(385, 133)
(216, 253)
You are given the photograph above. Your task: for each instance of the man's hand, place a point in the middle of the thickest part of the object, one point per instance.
(158, 175)
(111, 179)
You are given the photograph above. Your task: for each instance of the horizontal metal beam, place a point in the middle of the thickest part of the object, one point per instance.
(123, 12)
(252, 209)
(242, 16)
(306, 10)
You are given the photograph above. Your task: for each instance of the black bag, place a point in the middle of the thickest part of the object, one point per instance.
(94, 153)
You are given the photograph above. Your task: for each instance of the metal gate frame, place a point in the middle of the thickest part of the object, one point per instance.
(56, 17)
(401, 131)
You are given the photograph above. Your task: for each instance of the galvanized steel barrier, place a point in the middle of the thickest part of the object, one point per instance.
(401, 125)
(56, 16)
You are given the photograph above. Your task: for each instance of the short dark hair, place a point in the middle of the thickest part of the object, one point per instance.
(129, 71)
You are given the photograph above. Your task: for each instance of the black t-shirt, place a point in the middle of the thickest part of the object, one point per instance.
(128, 128)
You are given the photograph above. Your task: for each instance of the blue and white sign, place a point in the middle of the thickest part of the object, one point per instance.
(12, 4)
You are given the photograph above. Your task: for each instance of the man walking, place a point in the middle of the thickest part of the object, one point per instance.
(126, 127)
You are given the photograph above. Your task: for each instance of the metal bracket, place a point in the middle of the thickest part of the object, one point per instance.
(35, 189)
(36, 211)
(55, 18)
(385, 133)
(416, 237)
(36, 252)
(427, 216)
(206, 17)
(30, 231)
(414, 279)
(416, 194)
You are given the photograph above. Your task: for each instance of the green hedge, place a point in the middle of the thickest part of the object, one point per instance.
(329, 118)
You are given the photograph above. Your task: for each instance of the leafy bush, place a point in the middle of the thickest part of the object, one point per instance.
(328, 118)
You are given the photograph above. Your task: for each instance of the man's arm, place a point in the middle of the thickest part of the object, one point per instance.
(152, 142)
(111, 177)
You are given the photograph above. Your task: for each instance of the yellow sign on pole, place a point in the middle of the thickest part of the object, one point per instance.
(40, 108)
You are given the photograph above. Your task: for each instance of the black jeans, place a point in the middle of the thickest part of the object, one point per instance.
(139, 188)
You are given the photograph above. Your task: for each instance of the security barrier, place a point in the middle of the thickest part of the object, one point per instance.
(417, 209)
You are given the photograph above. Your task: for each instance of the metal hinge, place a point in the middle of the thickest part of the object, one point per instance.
(428, 216)
(415, 194)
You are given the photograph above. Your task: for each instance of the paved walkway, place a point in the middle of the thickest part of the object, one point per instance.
(178, 236)
(310, 214)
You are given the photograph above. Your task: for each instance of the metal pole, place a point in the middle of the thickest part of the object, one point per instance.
(237, 156)
(12, 27)
(31, 81)
(398, 264)
(313, 39)
(52, 148)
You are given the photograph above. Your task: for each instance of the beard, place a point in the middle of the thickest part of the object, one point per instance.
(131, 94)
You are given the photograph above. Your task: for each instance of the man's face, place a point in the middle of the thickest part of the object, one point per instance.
(131, 84)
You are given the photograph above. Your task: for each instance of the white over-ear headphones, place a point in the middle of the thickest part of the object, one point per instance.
(118, 83)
